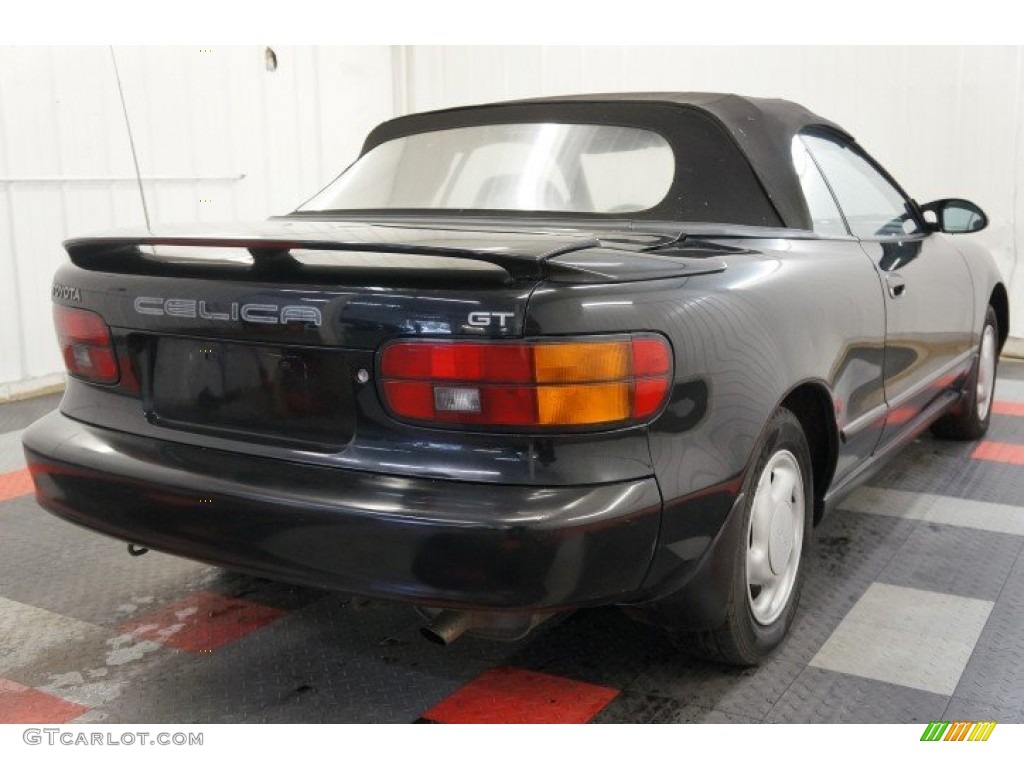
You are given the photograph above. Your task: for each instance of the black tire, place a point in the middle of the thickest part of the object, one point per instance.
(742, 639)
(971, 417)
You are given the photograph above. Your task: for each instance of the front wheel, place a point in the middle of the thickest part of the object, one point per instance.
(767, 572)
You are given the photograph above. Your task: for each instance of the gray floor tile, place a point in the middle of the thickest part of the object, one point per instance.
(749, 692)
(50, 563)
(810, 630)
(102, 670)
(12, 456)
(466, 658)
(995, 675)
(323, 663)
(600, 646)
(1011, 371)
(850, 550)
(636, 708)
(942, 510)
(1009, 385)
(31, 636)
(908, 637)
(20, 413)
(966, 709)
(945, 468)
(643, 708)
(956, 561)
(1003, 428)
(822, 696)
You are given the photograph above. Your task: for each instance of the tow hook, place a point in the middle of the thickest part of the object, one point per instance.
(136, 551)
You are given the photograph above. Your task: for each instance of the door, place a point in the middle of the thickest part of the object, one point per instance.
(856, 332)
(928, 295)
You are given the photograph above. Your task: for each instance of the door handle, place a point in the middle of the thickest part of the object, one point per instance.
(897, 288)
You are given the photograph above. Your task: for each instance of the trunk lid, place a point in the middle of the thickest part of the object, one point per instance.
(269, 337)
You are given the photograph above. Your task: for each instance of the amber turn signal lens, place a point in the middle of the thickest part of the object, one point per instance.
(587, 361)
(583, 404)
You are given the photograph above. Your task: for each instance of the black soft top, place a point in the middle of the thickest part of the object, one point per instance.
(762, 191)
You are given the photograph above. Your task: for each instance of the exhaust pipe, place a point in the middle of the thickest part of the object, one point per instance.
(136, 551)
(447, 627)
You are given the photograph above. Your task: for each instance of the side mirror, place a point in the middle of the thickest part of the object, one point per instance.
(954, 216)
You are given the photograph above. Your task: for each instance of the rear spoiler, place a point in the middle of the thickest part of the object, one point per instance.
(273, 257)
(580, 259)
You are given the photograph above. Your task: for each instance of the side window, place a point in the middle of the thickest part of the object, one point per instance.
(873, 207)
(825, 215)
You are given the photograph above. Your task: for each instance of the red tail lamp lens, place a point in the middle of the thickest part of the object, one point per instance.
(564, 383)
(85, 344)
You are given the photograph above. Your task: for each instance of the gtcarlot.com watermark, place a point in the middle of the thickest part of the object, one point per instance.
(68, 738)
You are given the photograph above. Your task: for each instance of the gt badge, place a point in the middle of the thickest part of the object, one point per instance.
(484, 319)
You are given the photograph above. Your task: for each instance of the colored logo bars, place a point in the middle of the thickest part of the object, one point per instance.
(958, 731)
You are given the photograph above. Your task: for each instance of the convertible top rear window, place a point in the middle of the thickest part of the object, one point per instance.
(638, 161)
(519, 167)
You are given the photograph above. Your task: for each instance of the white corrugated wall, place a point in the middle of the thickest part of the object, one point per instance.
(221, 137)
(218, 135)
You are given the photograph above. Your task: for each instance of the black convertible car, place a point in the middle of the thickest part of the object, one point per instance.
(529, 356)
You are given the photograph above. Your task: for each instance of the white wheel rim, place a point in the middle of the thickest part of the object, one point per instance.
(775, 537)
(986, 372)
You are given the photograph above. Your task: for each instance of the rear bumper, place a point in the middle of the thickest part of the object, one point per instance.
(438, 542)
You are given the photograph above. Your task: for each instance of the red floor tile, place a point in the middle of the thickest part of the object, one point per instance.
(202, 622)
(1008, 408)
(14, 484)
(509, 695)
(21, 704)
(1008, 453)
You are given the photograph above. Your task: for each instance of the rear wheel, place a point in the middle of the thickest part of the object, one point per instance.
(971, 419)
(767, 572)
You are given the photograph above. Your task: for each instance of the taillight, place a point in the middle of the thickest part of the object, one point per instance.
(85, 344)
(563, 383)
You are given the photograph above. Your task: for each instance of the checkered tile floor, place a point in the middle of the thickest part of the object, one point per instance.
(913, 611)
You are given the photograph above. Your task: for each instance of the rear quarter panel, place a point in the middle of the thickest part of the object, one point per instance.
(788, 312)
